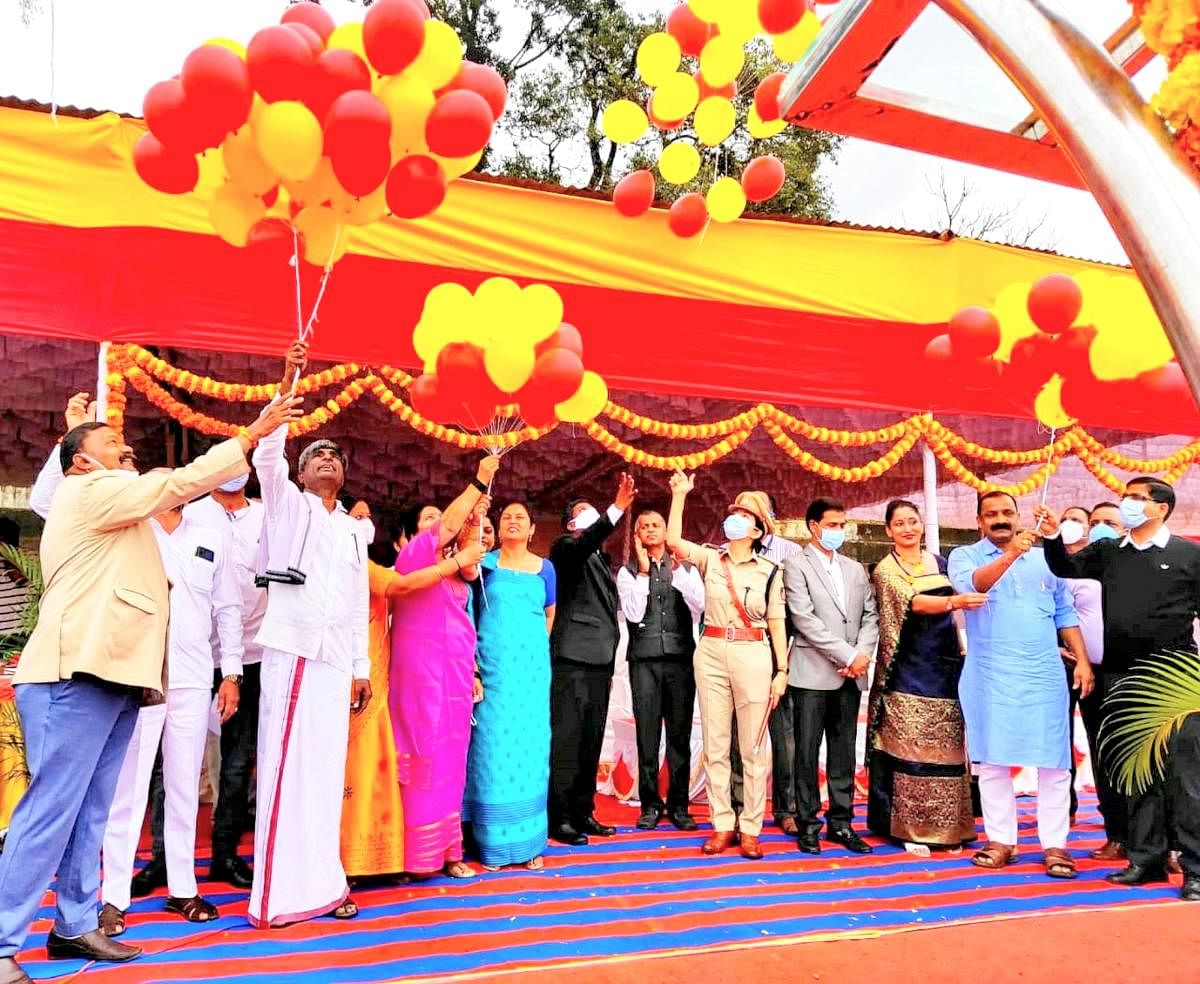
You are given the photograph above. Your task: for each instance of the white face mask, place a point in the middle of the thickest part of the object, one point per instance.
(126, 472)
(587, 517)
(368, 529)
(235, 484)
(1071, 531)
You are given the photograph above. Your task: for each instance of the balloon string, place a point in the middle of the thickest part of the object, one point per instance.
(304, 329)
(1046, 484)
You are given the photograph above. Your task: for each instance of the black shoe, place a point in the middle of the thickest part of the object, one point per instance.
(153, 876)
(11, 972)
(649, 818)
(564, 833)
(1191, 890)
(1137, 874)
(90, 946)
(849, 840)
(682, 820)
(809, 842)
(590, 825)
(232, 870)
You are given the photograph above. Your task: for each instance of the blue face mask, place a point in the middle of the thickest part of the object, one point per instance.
(1133, 512)
(833, 539)
(1102, 531)
(737, 527)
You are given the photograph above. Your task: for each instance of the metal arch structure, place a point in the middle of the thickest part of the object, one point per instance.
(1090, 129)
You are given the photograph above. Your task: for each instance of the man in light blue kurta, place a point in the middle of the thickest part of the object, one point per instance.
(1013, 690)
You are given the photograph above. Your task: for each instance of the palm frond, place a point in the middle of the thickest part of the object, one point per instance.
(1144, 711)
(29, 567)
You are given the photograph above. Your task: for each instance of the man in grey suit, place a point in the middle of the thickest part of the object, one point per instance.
(831, 607)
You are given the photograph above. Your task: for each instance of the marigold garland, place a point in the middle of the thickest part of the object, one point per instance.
(132, 365)
(1172, 29)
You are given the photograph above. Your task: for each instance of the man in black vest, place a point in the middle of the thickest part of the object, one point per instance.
(662, 601)
(583, 646)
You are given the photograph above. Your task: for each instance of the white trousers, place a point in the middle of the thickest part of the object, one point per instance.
(182, 726)
(999, 801)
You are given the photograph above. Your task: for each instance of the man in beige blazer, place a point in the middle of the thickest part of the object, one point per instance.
(99, 642)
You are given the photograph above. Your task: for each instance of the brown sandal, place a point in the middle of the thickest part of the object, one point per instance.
(993, 855)
(197, 909)
(1059, 864)
(112, 920)
(347, 910)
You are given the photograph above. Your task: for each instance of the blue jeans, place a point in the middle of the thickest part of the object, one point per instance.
(76, 732)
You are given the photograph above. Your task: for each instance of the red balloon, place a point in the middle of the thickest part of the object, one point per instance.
(974, 333)
(361, 171)
(1030, 366)
(171, 170)
(939, 352)
(337, 71)
(689, 30)
(169, 116)
(762, 178)
(565, 337)
(393, 32)
(536, 413)
(1072, 351)
(459, 368)
(311, 38)
(634, 193)
(459, 124)
(272, 232)
(766, 96)
(727, 91)
(1054, 303)
(216, 86)
(271, 197)
(1167, 384)
(557, 374)
(415, 187)
(979, 375)
(780, 16)
(357, 130)
(687, 217)
(484, 80)
(657, 120)
(424, 393)
(311, 15)
(280, 63)
(1088, 399)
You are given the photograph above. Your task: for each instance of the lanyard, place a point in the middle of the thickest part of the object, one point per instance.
(737, 605)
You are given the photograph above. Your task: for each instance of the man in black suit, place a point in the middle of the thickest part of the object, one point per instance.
(583, 647)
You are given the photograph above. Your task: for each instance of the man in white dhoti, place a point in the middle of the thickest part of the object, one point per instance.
(314, 664)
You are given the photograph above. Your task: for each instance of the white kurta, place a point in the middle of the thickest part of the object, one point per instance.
(314, 638)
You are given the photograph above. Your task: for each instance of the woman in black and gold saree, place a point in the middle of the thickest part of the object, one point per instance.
(920, 781)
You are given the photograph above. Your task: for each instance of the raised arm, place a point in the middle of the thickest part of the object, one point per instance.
(459, 511)
(681, 485)
(270, 465)
(426, 577)
(46, 484)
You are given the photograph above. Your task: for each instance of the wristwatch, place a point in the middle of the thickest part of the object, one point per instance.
(235, 677)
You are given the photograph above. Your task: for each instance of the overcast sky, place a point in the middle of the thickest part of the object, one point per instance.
(106, 54)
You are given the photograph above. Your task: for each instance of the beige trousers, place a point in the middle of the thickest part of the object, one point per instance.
(734, 676)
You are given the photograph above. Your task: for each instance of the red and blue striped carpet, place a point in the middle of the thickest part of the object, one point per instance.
(634, 894)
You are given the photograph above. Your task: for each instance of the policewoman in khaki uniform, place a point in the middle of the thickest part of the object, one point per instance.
(741, 662)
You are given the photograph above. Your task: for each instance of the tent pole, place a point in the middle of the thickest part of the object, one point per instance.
(102, 383)
(933, 540)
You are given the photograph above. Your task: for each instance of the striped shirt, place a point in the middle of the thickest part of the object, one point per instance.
(13, 592)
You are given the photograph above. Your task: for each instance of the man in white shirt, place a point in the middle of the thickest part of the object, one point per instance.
(662, 601)
(314, 665)
(198, 561)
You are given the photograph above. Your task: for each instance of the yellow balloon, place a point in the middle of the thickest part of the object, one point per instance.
(791, 45)
(232, 211)
(623, 121)
(244, 164)
(1010, 310)
(1129, 337)
(348, 36)
(740, 22)
(710, 11)
(725, 200)
(325, 238)
(360, 211)
(498, 303)
(509, 363)
(541, 312)
(1047, 405)
(676, 97)
(679, 162)
(456, 167)
(441, 55)
(759, 129)
(289, 139)
(721, 60)
(451, 308)
(714, 121)
(320, 187)
(408, 100)
(429, 338)
(587, 403)
(658, 56)
(234, 46)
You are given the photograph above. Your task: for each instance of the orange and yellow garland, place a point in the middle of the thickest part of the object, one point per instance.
(132, 365)
(1172, 29)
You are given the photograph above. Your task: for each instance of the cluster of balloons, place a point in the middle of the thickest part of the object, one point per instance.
(323, 126)
(713, 33)
(501, 345)
(1066, 347)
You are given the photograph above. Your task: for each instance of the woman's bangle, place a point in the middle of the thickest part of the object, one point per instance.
(457, 565)
(479, 485)
(950, 603)
(438, 567)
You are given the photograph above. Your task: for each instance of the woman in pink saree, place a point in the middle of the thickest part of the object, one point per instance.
(431, 686)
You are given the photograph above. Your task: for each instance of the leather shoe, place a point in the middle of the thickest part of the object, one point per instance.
(649, 818)
(809, 843)
(564, 833)
(1137, 874)
(1111, 851)
(718, 843)
(11, 972)
(749, 847)
(1191, 890)
(850, 840)
(590, 825)
(682, 820)
(153, 876)
(232, 870)
(90, 946)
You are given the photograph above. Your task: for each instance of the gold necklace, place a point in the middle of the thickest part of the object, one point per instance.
(912, 577)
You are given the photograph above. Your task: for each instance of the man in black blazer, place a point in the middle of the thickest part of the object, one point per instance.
(583, 647)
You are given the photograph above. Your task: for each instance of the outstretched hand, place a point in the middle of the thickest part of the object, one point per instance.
(280, 412)
(626, 492)
(79, 410)
(294, 362)
(682, 484)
